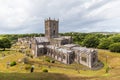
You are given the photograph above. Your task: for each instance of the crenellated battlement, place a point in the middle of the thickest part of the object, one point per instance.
(50, 19)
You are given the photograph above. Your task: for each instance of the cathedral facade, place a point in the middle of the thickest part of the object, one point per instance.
(61, 48)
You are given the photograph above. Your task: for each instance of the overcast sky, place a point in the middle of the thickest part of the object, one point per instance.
(27, 16)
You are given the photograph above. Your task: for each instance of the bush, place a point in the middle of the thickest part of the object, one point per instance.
(48, 60)
(31, 56)
(53, 61)
(45, 70)
(28, 67)
(13, 63)
(107, 69)
(115, 47)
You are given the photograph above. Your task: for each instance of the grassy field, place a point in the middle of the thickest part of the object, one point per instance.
(58, 71)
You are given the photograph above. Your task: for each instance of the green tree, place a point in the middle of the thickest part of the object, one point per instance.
(91, 41)
(115, 47)
(5, 43)
(115, 38)
(79, 37)
(105, 43)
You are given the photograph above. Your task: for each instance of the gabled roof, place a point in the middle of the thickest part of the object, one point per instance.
(41, 39)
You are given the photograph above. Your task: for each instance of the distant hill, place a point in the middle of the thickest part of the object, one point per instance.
(106, 33)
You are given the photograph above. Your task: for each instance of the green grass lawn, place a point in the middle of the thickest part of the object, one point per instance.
(40, 76)
(58, 70)
(6, 52)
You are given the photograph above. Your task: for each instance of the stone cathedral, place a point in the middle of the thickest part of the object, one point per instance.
(61, 48)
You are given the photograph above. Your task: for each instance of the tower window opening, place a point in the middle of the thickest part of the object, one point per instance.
(54, 32)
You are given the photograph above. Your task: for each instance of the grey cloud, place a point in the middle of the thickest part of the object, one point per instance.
(72, 15)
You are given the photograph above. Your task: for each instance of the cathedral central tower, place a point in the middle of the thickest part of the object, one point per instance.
(51, 28)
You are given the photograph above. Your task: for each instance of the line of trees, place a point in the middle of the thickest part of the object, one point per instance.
(6, 40)
(96, 40)
(13, 37)
(91, 40)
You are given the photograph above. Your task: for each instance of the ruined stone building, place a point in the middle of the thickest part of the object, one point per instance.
(61, 48)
